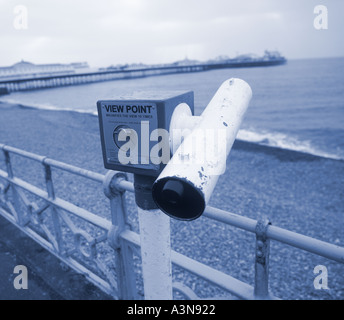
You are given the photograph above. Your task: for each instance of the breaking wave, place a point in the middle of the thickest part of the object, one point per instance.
(272, 139)
(282, 141)
(46, 106)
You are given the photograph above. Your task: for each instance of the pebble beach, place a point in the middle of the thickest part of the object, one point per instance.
(296, 191)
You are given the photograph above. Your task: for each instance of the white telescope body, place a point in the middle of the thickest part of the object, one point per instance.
(184, 187)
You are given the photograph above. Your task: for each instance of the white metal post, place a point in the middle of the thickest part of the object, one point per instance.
(155, 254)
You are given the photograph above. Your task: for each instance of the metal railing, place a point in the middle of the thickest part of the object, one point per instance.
(51, 221)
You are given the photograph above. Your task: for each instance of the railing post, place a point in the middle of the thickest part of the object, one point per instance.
(261, 285)
(16, 209)
(54, 212)
(8, 163)
(126, 280)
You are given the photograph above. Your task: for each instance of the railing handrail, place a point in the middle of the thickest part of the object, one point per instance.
(319, 247)
(54, 163)
(294, 239)
(306, 243)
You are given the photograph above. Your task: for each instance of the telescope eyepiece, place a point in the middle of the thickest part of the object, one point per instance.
(178, 198)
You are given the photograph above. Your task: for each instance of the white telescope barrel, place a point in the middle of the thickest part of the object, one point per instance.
(184, 187)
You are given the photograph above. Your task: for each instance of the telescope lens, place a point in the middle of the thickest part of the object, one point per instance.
(172, 192)
(178, 198)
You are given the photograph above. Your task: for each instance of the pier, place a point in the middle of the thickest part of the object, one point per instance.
(51, 81)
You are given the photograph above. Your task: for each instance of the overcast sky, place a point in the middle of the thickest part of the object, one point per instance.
(106, 32)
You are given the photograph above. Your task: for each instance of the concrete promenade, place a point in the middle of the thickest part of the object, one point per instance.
(48, 279)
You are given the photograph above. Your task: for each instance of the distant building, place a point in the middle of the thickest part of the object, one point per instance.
(272, 55)
(24, 69)
(133, 66)
(185, 62)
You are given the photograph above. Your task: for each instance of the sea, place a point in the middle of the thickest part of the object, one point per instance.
(297, 106)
